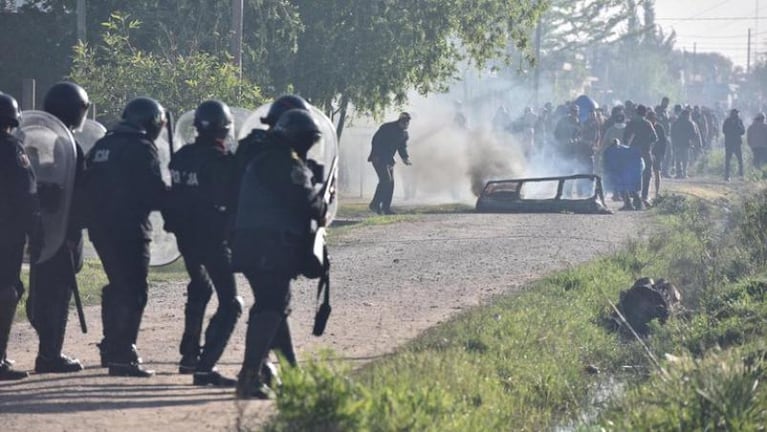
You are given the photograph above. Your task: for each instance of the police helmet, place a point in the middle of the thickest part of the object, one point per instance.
(281, 105)
(146, 114)
(213, 118)
(299, 129)
(68, 102)
(9, 111)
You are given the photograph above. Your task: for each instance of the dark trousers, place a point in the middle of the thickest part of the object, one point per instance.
(11, 288)
(385, 189)
(682, 159)
(271, 291)
(209, 269)
(760, 156)
(126, 263)
(50, 293)
(729, 151)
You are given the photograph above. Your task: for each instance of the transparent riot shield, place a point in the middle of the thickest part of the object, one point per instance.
(89, 133)
(324, 152)
(163, 248)
(51, 149)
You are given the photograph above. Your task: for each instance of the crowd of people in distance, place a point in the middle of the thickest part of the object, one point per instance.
(632, 146)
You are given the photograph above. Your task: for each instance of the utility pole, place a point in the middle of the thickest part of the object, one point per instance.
(237, 20)
(537, 71)
(81, 35)
(748, 55)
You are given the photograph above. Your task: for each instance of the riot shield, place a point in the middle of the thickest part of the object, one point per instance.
(89, 133)
(163, 248)
(325, 151)
(51, 149)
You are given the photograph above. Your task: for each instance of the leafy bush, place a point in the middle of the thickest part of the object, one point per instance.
(115, 72)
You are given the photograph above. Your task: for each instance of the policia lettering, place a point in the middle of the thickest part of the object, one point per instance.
(124, 184)
(201, 200)
(19, 216)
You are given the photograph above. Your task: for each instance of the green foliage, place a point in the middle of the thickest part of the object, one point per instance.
(116, 71)
(525, 362)
(720, 392)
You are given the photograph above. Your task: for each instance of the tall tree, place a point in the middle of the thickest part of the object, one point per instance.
(370, 54)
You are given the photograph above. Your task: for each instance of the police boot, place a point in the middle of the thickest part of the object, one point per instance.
(124, 358)
(52, 330)
(107, 323)
(262, 326)
(213, 378)
(283, 342)
(8, 300)
(627, 202)
(194, 313)
(218, 332)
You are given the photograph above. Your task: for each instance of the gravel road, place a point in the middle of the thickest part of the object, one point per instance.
(390, 282)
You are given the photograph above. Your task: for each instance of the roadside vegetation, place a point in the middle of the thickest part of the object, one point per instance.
(544, 359)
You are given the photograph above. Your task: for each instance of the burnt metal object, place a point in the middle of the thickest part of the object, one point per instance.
(647, 300)
(578, 193)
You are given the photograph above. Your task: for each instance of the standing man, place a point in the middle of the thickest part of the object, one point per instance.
(390, 138)
(124, 184)
(19, 217)
(641, 134)
(279, 199)
(201, 200)
(684, 137)
(733, 131)
(757, 140)
(664, 119)
(659, 149)
(50, 295)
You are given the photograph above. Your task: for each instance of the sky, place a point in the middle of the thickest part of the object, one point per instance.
(708, 24)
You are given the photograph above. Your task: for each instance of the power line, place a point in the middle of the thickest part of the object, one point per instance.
(710, 9)
(711, 19)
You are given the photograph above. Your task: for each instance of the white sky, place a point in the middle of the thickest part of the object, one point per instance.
(729, 37)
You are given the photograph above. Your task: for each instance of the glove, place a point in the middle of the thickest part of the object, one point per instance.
(318, 171)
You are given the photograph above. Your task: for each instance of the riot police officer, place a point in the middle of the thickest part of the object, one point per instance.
(248, 148)
(54, 279)
(278, 200)
(124, 184)
(19, 214)
(202, 196)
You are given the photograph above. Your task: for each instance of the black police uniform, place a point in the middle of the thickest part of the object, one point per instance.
(51, 293)
(277, 201)
(199, 213)
(124, 184)
(19, 216)
(389, 139)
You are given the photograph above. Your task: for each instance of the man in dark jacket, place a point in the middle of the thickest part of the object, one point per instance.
(50, 295)
(124, 184)
(19, 217)
(390, 138)
(201, 200)
(685, 136)
(641, 134)
(757, 140)
(733, 131)
(279, 198)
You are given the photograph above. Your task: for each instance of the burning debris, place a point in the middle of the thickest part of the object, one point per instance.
(580, 193)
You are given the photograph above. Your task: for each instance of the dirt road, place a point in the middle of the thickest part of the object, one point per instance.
(390, 282)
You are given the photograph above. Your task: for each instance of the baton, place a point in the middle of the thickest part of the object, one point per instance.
(76, 293)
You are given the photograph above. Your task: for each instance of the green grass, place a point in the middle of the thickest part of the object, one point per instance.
(527, 361)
